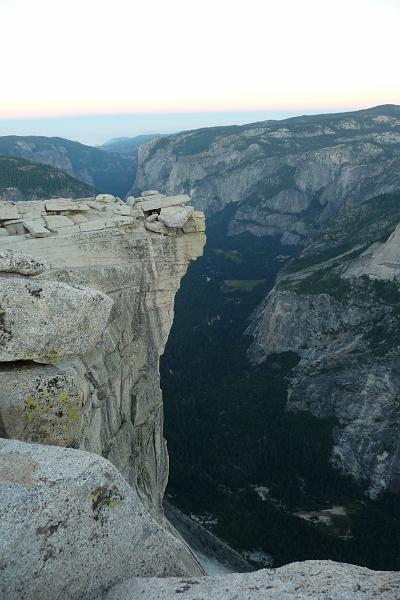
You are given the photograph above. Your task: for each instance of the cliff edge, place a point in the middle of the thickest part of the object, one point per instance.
(86, 302)
(87, 290)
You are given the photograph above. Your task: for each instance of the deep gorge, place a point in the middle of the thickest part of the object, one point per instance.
(229, 433)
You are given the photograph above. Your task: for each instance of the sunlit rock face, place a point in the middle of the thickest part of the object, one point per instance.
(86, 306)
(72, 526)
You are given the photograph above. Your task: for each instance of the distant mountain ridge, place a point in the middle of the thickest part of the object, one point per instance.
(279, 177)
(21, 179)
(128, 146)
(105, 171)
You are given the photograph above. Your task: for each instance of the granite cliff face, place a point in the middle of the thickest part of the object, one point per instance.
(127, 146)
(86, 304)
(337, 307)
(82, 330)
(281, 176)
(319, 396)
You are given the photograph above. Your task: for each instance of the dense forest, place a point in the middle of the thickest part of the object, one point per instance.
(107, 172)
(240, 463)
(36, 181)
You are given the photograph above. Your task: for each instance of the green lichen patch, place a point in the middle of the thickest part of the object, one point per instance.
(104, 498)
(52, 412)
(52, 355)
(47, 356)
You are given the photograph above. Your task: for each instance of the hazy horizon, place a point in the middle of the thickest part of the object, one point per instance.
(214, 58)
(95, 130)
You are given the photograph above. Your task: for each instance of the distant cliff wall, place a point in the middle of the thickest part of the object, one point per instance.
(279, 177)
(341, 316)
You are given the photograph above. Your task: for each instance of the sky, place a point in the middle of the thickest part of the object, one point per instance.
(171, 58)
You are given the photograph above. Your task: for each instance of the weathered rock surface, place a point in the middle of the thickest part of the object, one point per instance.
(35, 228)
(39, 219)
(379, 261)
(106, 198)
(72, 527)
(97, 319)
(150, 193)
(47, 320)
(8, 211)
(175, 216)
(61, 204)
(17, 262)
(156, 227)
(56, 222)
(318, 580)
(154, 202)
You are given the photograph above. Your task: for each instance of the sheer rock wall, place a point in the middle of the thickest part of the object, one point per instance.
(81, 336)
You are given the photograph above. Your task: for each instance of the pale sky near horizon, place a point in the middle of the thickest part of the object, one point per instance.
(71, 57)
(127, 57)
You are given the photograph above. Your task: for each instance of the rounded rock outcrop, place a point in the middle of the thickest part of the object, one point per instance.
(72, 526)
(12, 261)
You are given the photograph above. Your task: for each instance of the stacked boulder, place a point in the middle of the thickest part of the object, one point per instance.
(44, 218)
(167, 214)
(161, 214)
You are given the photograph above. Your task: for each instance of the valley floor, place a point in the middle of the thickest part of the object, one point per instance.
(230, 436)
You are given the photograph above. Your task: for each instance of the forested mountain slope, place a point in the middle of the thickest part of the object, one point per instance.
(22, 179)
(105, 171)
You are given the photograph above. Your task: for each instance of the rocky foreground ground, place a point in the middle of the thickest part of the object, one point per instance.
(72, 527)
(317, 579)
